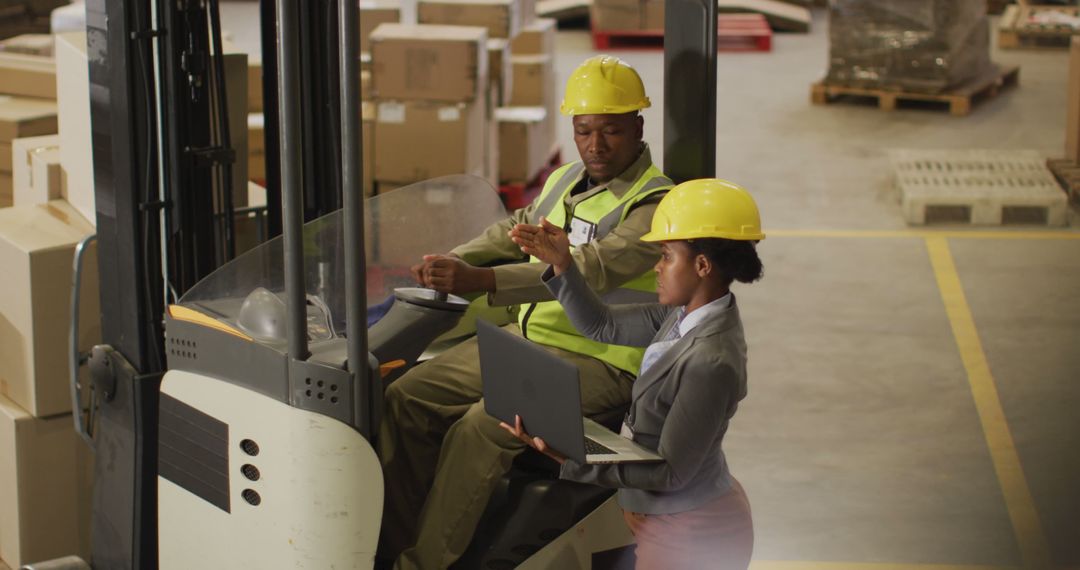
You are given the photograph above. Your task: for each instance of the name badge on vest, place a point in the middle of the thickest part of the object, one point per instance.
(581, 232)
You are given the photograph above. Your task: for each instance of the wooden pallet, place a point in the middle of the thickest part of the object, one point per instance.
(1015, 29)
(958, 100)
(977, 187)
(1067, 174)
(734, 33)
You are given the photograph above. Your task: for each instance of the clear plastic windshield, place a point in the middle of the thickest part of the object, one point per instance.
(399, 227)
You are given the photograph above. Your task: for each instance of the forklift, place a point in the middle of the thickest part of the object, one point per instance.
(232, 402)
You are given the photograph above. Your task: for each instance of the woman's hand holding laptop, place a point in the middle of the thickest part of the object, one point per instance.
(534, 442)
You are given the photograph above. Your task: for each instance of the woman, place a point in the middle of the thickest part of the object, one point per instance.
(687, 511)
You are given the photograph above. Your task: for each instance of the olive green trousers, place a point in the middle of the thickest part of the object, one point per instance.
(443, 456)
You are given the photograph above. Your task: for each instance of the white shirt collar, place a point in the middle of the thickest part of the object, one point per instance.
(703, 313)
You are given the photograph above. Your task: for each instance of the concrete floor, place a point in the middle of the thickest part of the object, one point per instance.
(912, 393)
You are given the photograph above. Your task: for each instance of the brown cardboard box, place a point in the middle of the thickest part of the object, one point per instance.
(417, 140)
(40, 45)
(367, 142)
(256, 160)
(1072, 104)
(616, 14)
(7, 193)
(7, 163)
(22, 117)
(21, 169)
(652, 15)
(45, 165)
(373, 13)
(502, 75)
(46, 476)
(73, 88)
(524, 142)
(537, 38)
(428, 63)
(534, 81)
(236, 85)
(500, 17)
(36, 248)
(27, 75)
(255, 86)
(365, 85)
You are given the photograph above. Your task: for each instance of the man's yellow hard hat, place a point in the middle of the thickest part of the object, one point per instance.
(706, 208)
(604, 85)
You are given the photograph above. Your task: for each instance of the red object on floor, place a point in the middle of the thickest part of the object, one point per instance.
(734, 32)
(519, 195)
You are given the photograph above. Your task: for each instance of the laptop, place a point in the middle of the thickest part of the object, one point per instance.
(522, 378)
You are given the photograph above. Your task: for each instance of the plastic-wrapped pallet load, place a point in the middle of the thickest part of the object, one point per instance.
(915, 45)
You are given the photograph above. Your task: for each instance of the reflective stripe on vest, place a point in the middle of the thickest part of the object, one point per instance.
(546, 322)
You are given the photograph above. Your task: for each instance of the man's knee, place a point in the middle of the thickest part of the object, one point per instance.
(477, 424)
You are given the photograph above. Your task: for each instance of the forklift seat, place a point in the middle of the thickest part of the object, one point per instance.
(531, 507)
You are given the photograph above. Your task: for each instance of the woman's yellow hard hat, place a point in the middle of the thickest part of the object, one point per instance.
(604, 85)
(706, 208)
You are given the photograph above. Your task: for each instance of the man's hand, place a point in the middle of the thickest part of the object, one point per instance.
(546, 242)
(518, 431)
(449, 274)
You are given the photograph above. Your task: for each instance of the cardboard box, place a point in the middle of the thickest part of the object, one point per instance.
(373, 13)
(537, 38)
(502, 75)
(37, 245)
(365, 86)
(27, 75)
(40, 45)
(524, 142)
(236, 85)
(1072, 104)
(616, 15)
(367, 142)
(417, 140)
(534, 81)
(7, 163)
(20, 158)
(73, 84)
(46, 474)
(429, 63)
(501, 17)
(652, 15)
(255, 85)
(7, 193)
(22, 117)
(256, 128)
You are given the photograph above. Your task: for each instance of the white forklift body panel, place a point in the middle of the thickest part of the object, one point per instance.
(333, 523)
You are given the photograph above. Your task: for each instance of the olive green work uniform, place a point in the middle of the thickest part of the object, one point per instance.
(442, 455)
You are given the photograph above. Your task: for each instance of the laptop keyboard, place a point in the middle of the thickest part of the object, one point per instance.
(593, 448)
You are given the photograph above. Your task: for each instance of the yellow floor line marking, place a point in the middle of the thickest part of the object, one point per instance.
(927, 234)
(785, 565)
(1025, 520)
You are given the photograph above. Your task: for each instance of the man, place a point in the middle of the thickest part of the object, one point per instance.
(442, 454)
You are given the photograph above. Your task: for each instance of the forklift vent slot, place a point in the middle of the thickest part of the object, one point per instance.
(183, 348)
(249, 447)
(252, 497)
(250, 471)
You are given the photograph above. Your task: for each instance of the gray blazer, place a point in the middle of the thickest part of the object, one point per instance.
(680, 407)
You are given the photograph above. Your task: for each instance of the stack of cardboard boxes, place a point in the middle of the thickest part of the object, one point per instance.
(627, 15)
(19, 17)
(431, 92)
(527, 123)
(45, 468)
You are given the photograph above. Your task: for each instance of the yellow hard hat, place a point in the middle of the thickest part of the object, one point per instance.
(604, 85)
(706, 208)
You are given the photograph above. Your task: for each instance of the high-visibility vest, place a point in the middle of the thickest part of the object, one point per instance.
(546, 322)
